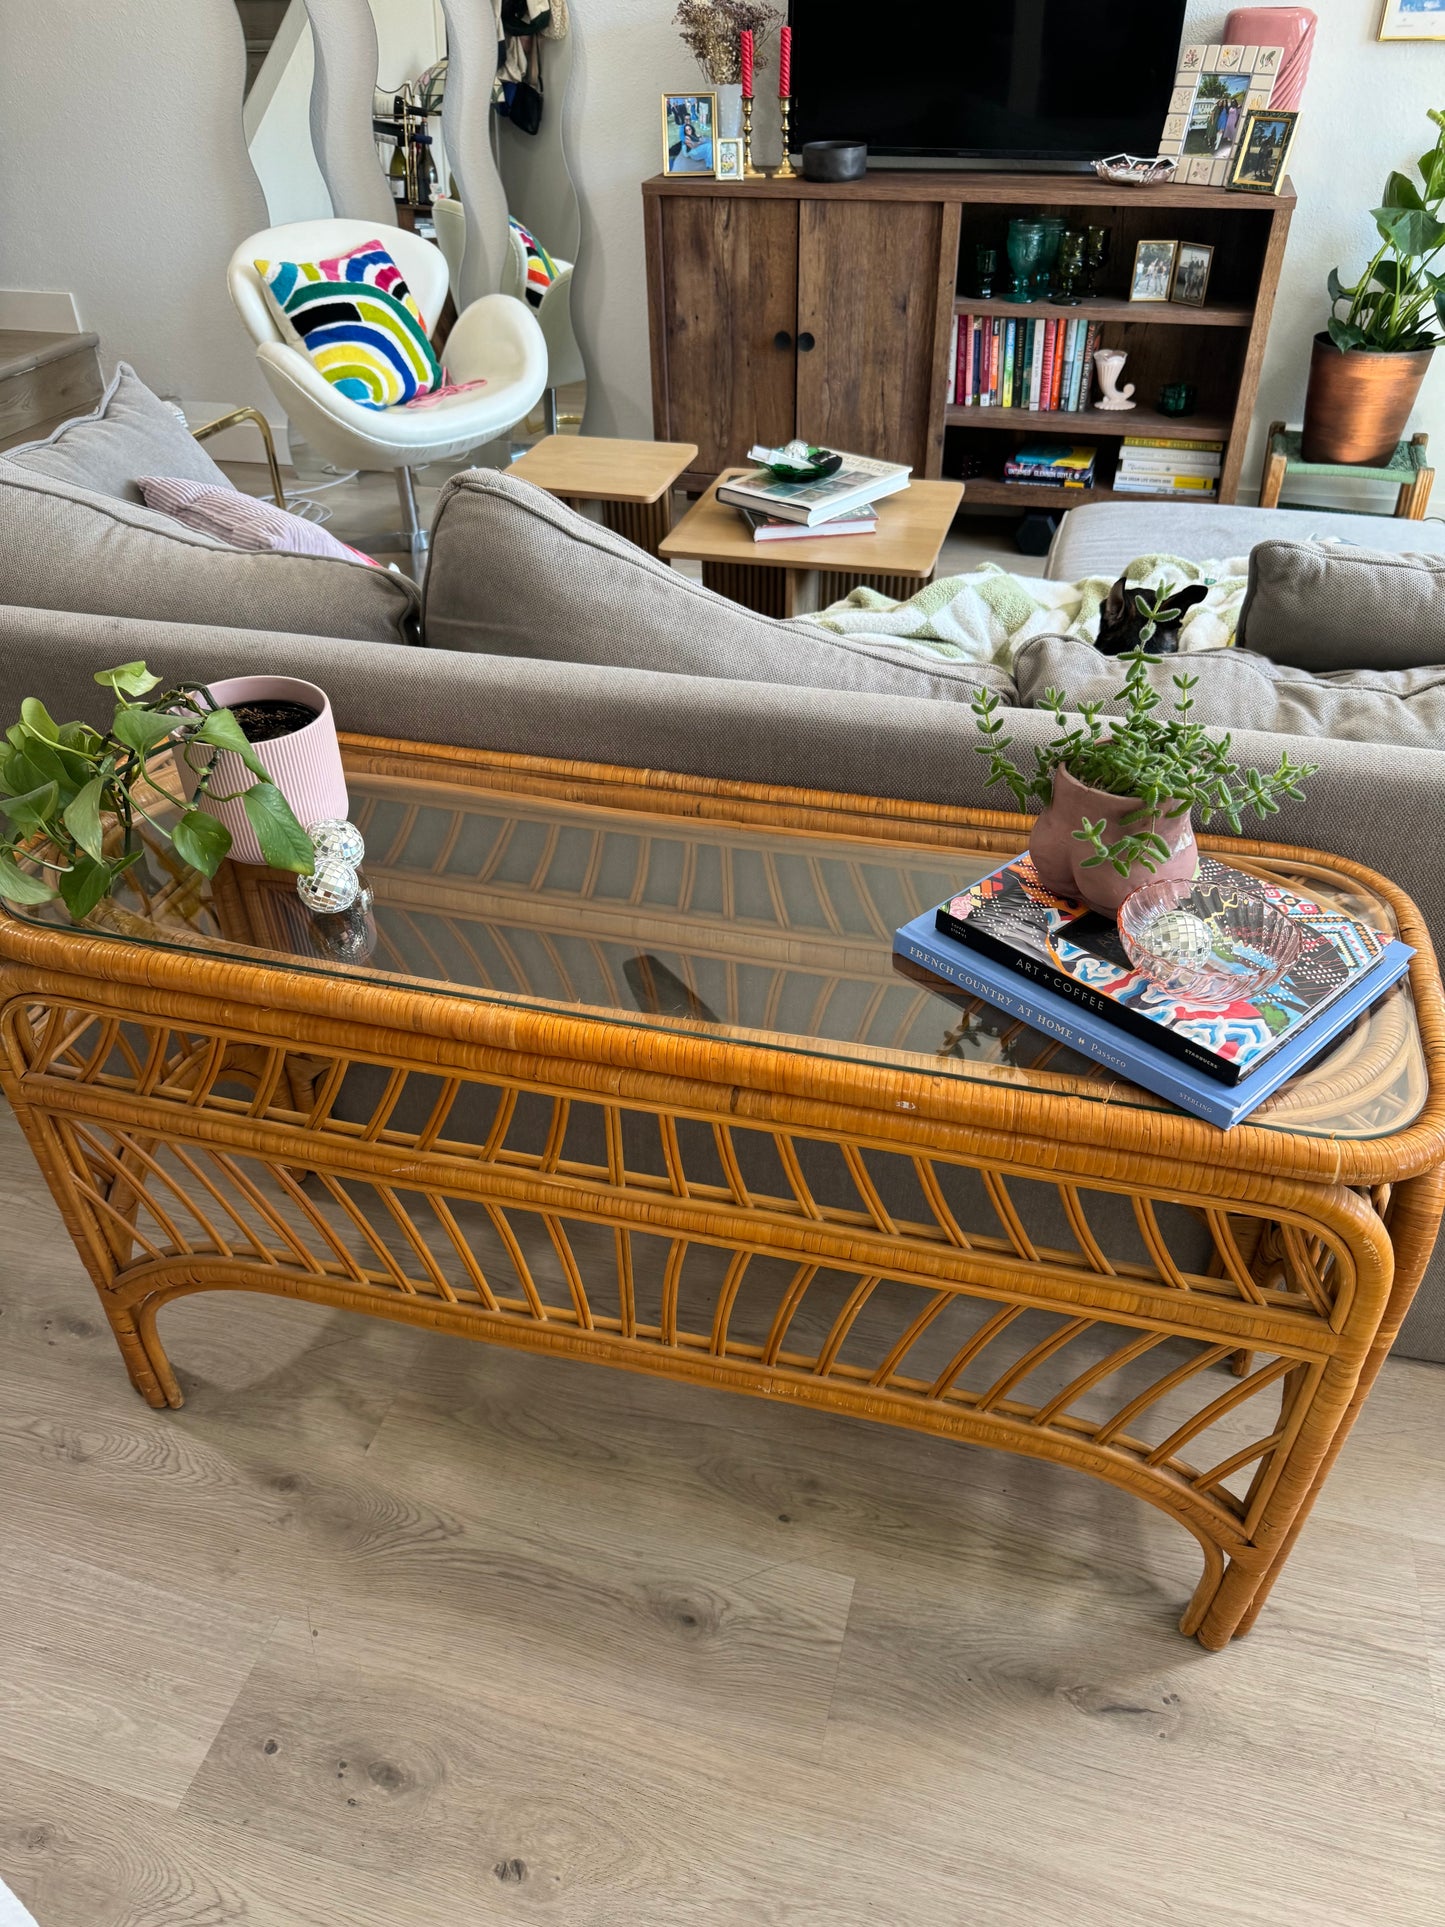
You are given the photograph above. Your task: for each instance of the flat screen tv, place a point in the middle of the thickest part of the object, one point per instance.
(933, 82)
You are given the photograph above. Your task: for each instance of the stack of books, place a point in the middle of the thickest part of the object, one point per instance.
(815, 508)
(1042, 364)
(1052, 962)
(775, 528)
(1060, 465)
(1163, 467)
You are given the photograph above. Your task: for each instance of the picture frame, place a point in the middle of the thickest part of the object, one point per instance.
(689, 134)
(1214, 89)
(1192, 264)
(1265, 141)
(1412, 20)
(1153, 272)
(728, 157)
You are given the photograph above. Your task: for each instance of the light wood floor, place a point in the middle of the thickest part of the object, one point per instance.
(389, 1630)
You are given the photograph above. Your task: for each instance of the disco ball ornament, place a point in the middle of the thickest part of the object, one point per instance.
(338, 841)
(331, 887)
(1215, 943)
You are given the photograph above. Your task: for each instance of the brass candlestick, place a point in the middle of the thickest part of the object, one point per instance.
(787, 171)
(750, 173)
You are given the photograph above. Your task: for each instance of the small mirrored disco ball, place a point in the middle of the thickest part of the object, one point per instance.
(1179, 937)
(337, 840)
(331, 887)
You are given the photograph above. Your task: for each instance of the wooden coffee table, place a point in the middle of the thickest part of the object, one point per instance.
(632, 480)
(795, 578)
(618, 1066)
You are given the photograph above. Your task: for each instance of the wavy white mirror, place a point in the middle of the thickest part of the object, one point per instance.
(338, 91)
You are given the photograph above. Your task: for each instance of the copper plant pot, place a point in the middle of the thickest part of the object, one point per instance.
(1359, 402)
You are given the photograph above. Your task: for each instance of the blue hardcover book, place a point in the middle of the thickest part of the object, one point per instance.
(1118, 1050)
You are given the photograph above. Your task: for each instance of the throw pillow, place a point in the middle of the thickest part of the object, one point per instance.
(242, 520)
(1235, 690)
(542, 270)
(355, 316)
(130, 432)
(1323, 606)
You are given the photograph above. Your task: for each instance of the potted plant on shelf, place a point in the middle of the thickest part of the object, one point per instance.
(1118, 792)
(1366, 369)
(74, 797)
(710, 30)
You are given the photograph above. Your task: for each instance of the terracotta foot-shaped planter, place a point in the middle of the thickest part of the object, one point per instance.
(1059, 857)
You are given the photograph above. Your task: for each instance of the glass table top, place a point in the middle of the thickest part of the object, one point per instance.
(702, 926)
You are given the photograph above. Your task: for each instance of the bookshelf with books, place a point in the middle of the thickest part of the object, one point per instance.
(1001, 375)
(766, 302)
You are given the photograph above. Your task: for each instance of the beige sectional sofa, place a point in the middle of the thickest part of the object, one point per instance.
(544, 634)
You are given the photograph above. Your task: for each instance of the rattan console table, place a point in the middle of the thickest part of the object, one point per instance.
(629, 1074)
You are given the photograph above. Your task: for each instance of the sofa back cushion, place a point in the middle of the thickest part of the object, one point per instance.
(1239, 690)
(63, 547)
(129, 433)
(514, 572)
(1326, 606)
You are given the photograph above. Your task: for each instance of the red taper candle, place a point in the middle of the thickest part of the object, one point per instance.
(785, 63)
(745, 39)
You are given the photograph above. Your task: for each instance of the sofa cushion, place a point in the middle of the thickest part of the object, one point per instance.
(1237, 689)
(514, 572)
(129, 433)
(1101, 538)
(63, 547)
(1322, 606)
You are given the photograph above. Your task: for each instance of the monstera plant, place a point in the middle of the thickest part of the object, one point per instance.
(73, 797)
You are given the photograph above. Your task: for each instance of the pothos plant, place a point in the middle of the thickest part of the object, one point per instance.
(1171, 766)
(74, 797)
(1398, 304)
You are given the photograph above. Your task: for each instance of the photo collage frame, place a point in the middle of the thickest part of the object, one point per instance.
(1215, 89)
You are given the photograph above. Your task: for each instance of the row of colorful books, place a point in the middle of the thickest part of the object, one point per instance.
(1061, 968)
(1039, 364)
(1164, 467)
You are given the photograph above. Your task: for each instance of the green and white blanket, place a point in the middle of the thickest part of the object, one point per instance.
(986, 615)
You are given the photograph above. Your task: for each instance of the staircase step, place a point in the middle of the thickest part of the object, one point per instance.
(45, 379)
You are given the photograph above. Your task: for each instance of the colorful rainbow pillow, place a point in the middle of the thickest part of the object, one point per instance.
(355, 316)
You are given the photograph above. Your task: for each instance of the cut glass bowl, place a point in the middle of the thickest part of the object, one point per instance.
(1217, 943)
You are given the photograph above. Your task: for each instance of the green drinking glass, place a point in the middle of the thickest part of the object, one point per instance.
(1053, 227)
(1026, 243)
(1073, 256)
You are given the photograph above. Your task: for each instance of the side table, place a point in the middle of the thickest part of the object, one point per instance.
(632, 480)
(797, 577)
(1407, 468)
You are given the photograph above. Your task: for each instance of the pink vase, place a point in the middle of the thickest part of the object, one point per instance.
(305, 766)
(1059, 857)
(1292, 28)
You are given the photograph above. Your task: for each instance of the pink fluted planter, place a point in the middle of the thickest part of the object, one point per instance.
(1059, 856)
(1292, 28)
(305, 766)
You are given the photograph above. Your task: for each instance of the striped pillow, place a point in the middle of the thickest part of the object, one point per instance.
(239, 519)
(355, 316)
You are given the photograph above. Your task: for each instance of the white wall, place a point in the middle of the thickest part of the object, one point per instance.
(137, 187)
